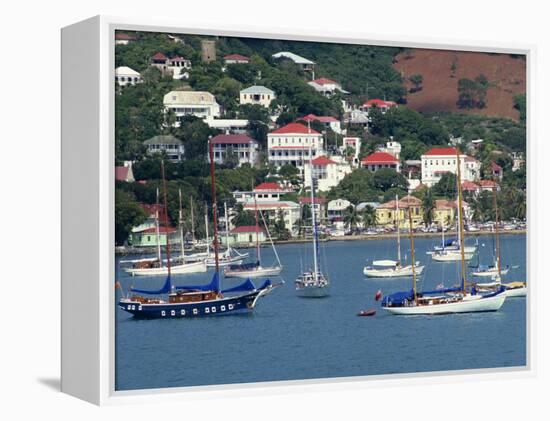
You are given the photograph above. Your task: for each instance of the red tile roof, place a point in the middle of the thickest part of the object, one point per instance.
(380, 158)
(469, 186)
(121, 173)
(322, 160)
(268, 186)
(404, 202)
(236, 57)
(232, 139)
(123, 37)
(441, 151)
(487, 184)
(495, 167)
(325, 81)
(445, 204)
(246, 229)
(379, 103)
(294, 128)
(322, 119)
(159, 57)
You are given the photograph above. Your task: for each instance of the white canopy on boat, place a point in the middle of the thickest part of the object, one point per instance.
(384, 263)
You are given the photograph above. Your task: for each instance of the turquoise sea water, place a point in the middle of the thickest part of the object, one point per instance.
(289, 338)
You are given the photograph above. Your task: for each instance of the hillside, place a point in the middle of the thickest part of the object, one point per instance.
(506, 75)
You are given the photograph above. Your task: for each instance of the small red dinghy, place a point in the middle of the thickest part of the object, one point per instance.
(370, 312)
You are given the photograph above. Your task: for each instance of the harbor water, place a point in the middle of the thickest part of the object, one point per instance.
(292, 338)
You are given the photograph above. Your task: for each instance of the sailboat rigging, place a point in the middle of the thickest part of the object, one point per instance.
(195, 300)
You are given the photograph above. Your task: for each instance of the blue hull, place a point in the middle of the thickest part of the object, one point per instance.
(227, 305)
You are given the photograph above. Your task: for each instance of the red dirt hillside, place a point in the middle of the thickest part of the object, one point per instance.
(506, 77)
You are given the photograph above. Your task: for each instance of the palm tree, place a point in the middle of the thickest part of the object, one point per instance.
(428, 206)
(369, 217)
(351, 217)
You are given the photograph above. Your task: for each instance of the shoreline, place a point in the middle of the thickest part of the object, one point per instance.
(363, 237)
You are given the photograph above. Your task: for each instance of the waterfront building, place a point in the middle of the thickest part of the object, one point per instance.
(319, 206)
(198, 103)
(172, 146)
(445, 212)
(336, 210)
(438, 161)
(246, 235)
(244, 148)
(379, 160)
(236, 59)
(386, 213)
(257, 95)
(126, 76)
(327, 173)
(148, 237)
(273, 208)
(292, 144)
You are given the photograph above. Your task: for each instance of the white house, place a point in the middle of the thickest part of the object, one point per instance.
(301, 62)
(197, 103)
(246, 235)
(125, 172)
(271, 209)
(353, 144)
(172, 146)
(291, 145)
(264, 192)
(126, 76)
(392, 147)
(380, 104)
(336, 209)
(244, 147)
(176, 66)
(328, 121)
(379, 160)
(326, 86)
(438, 161)
(236, 59)
(259, 95)
(319, 205)
(326, 172)
(227, 125)
(122, 38)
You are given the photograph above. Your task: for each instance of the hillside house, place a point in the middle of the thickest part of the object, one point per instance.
(257, 95)
(172, 146)
(326, 87)
(126, 76)
(198, 103)
(125, 173)
(382, 105)
(327, 173)
(236, 59)
(123, 39)
(328, 121)
(264, 192)
(303, 63)
(379, 160)
(292, 145)
(438, 161)
(244, 148)
(176, 66)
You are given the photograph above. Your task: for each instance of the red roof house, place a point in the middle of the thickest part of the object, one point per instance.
(378, 160)
(237, 58)
(233, 139)
(322, 161)
(441, 152)
(294, 128)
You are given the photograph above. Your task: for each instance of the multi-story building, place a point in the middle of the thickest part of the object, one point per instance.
(379, 160)
(328, 121)
(259, 95)
(197, 103)
(392, 147)
(380, 104)
(387, 213)
(336, 209)
(126, 76)
(176, 66)
(292, 145)
(289, 210)
(172, 146)
(264, 192)
(319, 206)
(244, 148)
(438, 161)
(327, 172)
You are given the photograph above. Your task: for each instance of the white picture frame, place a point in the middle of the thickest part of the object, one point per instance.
(88, 211)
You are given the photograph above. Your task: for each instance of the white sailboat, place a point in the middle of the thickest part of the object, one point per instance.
(255, 270)
(444, 301)
(157, 266)
(392, 268)
(313, 283)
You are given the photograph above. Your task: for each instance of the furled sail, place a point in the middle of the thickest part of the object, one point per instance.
(214, 285)
(247, 285)
(166, 288)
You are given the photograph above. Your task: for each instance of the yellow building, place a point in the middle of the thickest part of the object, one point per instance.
(387, 213)
(445, 212)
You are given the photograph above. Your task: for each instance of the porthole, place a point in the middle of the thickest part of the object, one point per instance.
(140, 308)
(183, 312)
(172, 312)
(195, 311)
(230, 306)
(163, 313)
(206, 310)
(222, 308)
(213, 309)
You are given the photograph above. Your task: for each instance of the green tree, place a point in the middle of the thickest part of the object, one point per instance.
(446, 187)
(416, 80)
(368, 217)
(387, 178)
(128, 214)
(428, 206)
(243, 217)
(351, 217)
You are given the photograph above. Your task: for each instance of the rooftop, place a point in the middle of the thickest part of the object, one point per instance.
(189, 97)
(379, 103)
(236, 57)
(123, 37)
(441, 152)
(257, 90)
(294, 57)
(322, 119)
(324, 81)
(268, 186)
(322, 161)
(294, 128)
(159, 57)
(163, 140)
(126, 71)
(246, 229)
(222, 139)
(380, 158)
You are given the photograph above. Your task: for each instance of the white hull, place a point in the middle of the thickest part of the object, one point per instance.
(313, 291)
(392, 272)
(516, 292)
(492, 272)
(451, 256)
(253, 273)
(195, 267)
(211, 263)
(470, 304)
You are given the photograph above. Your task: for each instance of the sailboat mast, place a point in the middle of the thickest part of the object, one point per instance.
(166, 219)
(397, 217)
(157, 228)
(192, 221)
(181, 229)
(413, 264)
(214, 204)
(257, 229)
(226, 225)
(460, 220)
(206, 228)
(313, 219)
(497, 240)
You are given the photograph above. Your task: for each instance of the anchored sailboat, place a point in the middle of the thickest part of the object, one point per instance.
(451, 300)
(313, 284)
(195, 300)
(392, 268)
(255, 269)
